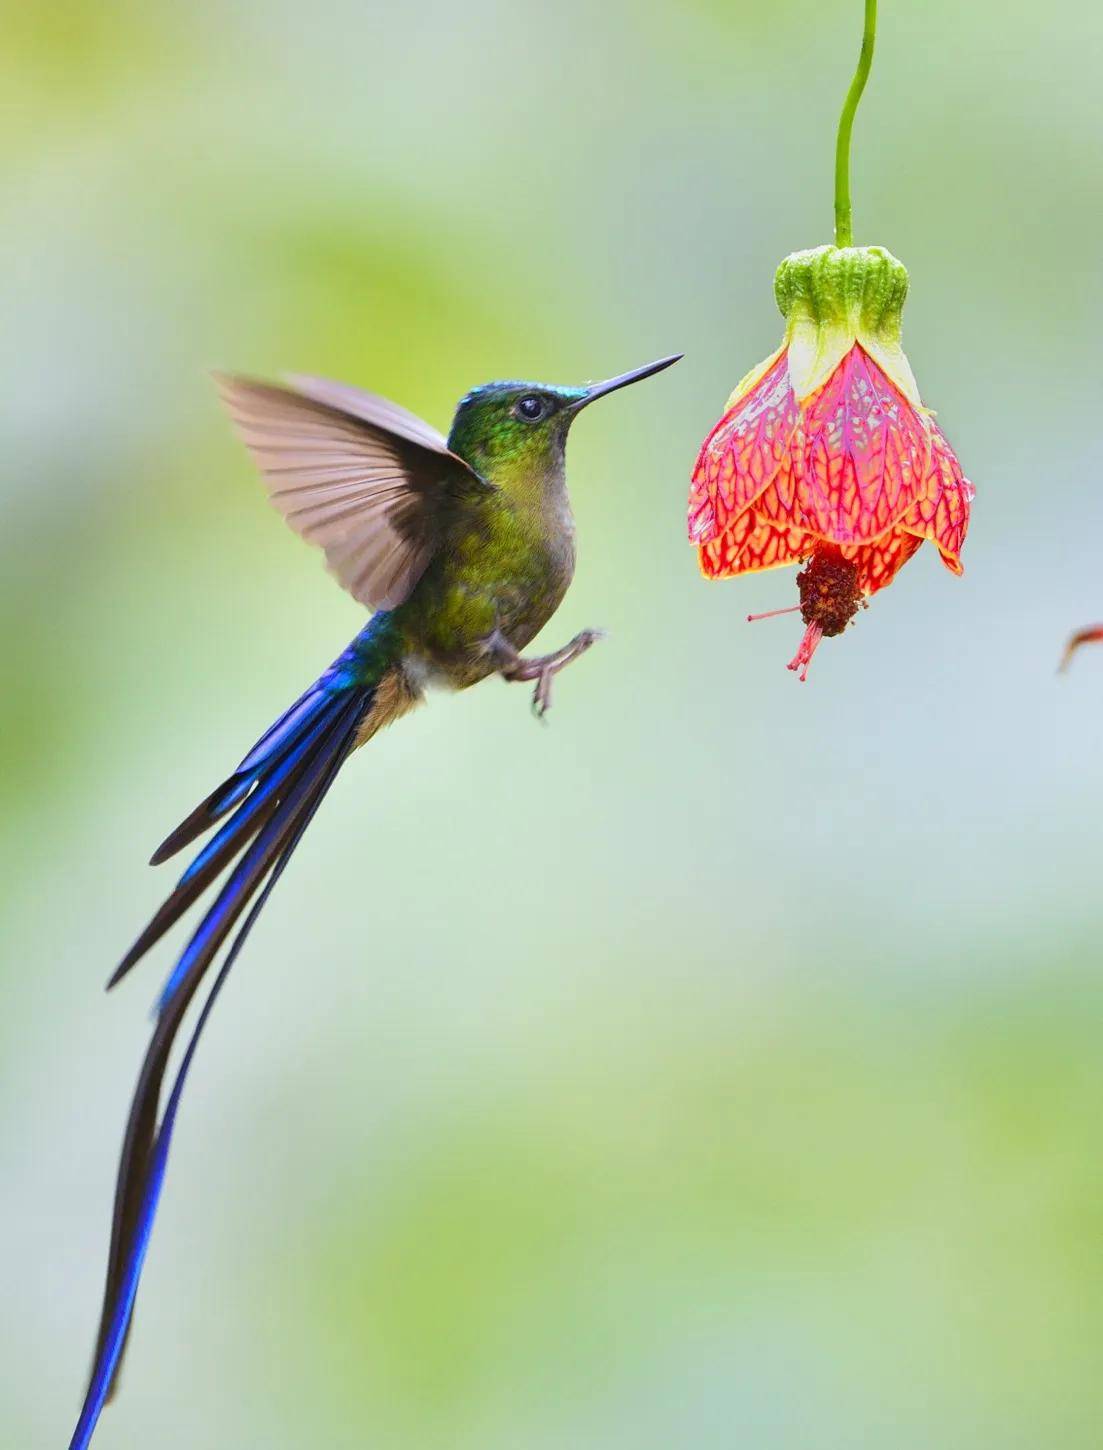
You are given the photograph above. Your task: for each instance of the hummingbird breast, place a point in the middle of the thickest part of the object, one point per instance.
(536, 574)
(505, 568)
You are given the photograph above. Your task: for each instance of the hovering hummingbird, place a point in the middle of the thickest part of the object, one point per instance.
(464, 548)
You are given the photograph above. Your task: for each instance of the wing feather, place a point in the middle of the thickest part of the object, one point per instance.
(371, 408)
(354, 473)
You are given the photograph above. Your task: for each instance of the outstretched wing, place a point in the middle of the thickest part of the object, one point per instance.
(356, 474)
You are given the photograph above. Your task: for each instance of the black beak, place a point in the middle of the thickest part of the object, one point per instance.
(599, 390)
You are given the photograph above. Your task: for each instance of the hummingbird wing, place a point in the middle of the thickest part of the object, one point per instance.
(370, 483)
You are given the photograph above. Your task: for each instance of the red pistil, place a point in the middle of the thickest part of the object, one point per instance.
(803, 657)
(772, 613)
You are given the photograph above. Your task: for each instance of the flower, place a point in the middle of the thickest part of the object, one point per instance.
(825, 453)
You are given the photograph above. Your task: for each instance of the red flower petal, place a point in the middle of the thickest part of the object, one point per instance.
(778, 501)
(866, 456)
(880, 562)
(941, 513)
(753, 544)
(742, 454)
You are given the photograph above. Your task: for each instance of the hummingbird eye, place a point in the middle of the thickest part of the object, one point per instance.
(531, 408)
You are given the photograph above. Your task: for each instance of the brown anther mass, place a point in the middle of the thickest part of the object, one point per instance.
(829, 592)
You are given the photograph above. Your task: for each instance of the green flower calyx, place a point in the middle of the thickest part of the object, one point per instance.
(833, 297)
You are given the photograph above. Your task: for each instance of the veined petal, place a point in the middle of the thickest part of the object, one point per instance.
(744, 451)
(753, 545)
(715, 556)
(880, 562)
(866, 455)
(777, 503)
(941, 513)
(892, 360)
(748, 380)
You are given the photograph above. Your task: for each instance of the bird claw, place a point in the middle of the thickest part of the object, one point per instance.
(587, 637)
(551, 664)
(541, 700)
(542, 696)
(542, 669)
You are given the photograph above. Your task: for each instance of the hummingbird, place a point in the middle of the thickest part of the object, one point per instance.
(463, 548)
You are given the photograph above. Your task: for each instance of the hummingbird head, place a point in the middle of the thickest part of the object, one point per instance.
(508, 426)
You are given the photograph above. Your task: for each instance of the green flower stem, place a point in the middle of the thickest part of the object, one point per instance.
(844, 235)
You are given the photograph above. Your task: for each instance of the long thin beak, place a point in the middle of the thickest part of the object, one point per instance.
(599, 390)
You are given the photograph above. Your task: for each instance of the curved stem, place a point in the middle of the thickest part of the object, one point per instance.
(843, 231)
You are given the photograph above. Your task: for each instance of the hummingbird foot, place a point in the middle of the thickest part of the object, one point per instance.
(513, 666)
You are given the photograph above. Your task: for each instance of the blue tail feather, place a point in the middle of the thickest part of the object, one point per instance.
(277, 790)
(260, 794)
(270, 749)
(268, 784)
(285, 730)
(217, 922)
(117, 1326)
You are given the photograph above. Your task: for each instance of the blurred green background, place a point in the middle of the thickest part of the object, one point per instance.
(719, 1066)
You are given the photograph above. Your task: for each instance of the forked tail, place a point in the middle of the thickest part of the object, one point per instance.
(273, 794)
